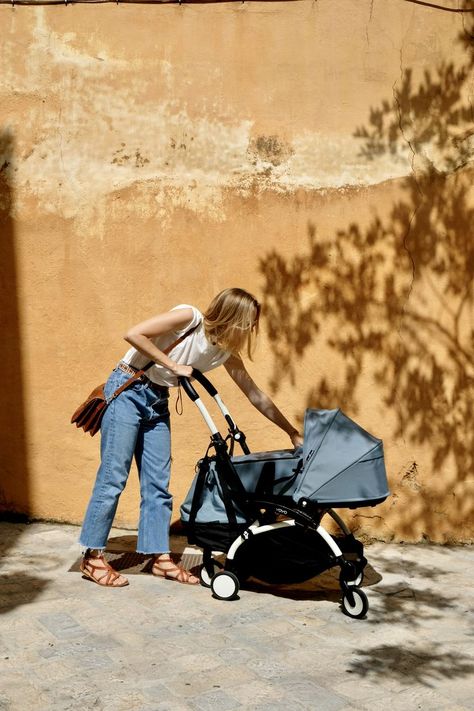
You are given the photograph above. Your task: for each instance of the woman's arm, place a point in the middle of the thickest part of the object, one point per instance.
(259, 399)
(140, 336)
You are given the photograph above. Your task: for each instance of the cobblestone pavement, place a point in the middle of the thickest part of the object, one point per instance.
(69, 644)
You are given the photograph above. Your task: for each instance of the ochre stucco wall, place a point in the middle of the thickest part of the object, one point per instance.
(316, 153)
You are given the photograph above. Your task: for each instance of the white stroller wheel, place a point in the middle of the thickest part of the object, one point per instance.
(360, 606)
(225, 585)
(204, 577)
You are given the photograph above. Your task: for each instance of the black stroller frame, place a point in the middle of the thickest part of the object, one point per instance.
(265, 514)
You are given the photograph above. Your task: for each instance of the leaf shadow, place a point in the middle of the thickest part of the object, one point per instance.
(389, 301)
(410, 665)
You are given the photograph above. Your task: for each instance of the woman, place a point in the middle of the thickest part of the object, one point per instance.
(137, 423)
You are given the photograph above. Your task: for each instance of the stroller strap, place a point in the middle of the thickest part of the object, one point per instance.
(228, 494)
(227, 498)
(203, 468)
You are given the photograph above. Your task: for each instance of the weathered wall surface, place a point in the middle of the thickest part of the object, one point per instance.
(317, 153)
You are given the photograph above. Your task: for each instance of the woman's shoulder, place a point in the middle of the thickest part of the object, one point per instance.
(196, 317)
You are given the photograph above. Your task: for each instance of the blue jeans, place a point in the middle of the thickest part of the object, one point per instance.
(136, 423)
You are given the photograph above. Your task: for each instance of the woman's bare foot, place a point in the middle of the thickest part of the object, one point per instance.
(95, 567)
(163, 567)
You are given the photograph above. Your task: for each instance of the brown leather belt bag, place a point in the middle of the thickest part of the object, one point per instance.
(89, 414)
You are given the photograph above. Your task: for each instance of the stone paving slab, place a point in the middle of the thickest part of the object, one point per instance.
(66, 643)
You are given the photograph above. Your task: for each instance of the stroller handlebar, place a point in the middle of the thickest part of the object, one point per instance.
(188, 388)
(201, 378)
(209, 387)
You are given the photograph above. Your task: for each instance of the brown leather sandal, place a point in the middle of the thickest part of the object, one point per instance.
(110, 576)
(166, 568)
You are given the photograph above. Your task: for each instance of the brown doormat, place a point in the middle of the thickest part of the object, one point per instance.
(122, 557)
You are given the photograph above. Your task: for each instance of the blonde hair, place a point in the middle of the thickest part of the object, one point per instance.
(231, 321)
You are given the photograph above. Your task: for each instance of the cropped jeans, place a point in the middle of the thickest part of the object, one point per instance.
(136, 423)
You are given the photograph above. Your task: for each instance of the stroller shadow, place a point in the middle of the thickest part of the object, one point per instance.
(324, 586)
(121, 554)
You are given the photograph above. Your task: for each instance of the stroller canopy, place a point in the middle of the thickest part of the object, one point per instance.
(342, 463)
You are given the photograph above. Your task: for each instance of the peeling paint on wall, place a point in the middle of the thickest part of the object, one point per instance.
(89, 128)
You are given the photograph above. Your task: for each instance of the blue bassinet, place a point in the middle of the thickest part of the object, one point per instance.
(340, 465)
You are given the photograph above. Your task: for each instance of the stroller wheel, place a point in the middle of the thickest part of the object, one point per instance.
(353, 572)
(204, 577)
(359, 564)
(360, 606)
(225, 585)
(358, 580)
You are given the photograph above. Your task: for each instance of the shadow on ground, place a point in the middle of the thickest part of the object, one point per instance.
(418, 664)
(19, 588)
(122, 556)
(409, 605)
(322, 587)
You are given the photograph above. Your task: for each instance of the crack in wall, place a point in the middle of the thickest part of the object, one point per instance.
(369, 21)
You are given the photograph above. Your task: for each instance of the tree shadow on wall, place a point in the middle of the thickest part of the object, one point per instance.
(398, 292)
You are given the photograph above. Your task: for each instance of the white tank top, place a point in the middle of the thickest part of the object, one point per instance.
(195, 350)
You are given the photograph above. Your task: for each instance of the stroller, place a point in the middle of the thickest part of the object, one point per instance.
(264, 509)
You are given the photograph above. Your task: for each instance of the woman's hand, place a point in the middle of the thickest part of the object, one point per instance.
(184, 371)
(296, 439)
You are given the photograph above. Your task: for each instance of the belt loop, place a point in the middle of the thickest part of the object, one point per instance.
(131, 370)
(126, 368)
